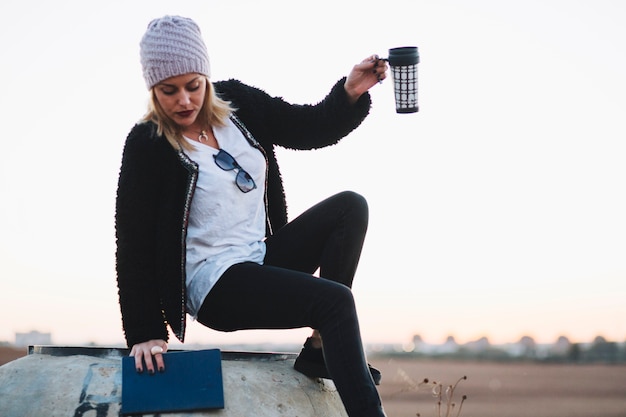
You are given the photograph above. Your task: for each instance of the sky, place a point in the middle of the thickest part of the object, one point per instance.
(496, 211)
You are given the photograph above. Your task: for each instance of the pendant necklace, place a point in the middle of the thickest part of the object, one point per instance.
(203, 137)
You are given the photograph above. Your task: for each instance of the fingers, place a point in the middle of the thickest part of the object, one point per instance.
(374, 65)
(149, 355)
(158, 357)
(371, 58)
(380, 68)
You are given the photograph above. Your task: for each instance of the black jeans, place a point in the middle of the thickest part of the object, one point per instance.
(283, 293)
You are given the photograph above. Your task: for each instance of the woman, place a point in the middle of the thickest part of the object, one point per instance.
(201, 218)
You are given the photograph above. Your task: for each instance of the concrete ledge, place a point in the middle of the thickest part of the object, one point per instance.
(87, 381)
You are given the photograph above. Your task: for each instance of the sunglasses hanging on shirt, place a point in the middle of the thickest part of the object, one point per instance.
(227, 162)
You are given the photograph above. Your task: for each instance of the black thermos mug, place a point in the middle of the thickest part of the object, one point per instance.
(403, 64)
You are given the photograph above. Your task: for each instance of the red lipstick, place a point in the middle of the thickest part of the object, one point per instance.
(185, 113)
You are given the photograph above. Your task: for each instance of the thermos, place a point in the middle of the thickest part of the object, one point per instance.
(403, 64)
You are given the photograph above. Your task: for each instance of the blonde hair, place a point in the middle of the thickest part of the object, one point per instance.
(214, 112)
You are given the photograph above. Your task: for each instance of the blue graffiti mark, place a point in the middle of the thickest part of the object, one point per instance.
(101, 388)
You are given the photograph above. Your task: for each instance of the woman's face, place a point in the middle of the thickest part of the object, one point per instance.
(182, 97)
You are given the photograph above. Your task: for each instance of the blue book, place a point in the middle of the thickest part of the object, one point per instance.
(192, 381)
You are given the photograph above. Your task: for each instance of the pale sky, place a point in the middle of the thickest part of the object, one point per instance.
(498, 210)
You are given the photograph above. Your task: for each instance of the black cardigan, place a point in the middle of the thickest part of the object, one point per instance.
(157, 182)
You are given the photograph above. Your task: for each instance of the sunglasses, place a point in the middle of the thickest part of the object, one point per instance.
(226, 161)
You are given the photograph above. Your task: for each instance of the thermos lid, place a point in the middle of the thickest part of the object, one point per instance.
(405, 55)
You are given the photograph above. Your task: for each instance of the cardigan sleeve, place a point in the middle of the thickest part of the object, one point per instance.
(296, 126)
(135, 217)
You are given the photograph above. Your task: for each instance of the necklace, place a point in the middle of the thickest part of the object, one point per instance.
(203, 137)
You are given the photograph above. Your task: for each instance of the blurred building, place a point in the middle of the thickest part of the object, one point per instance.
(32, 338)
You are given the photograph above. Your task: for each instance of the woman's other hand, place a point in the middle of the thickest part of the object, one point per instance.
(364, 76)
(143, 353)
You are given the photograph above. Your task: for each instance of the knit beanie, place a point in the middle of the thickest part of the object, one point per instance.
(171, 46)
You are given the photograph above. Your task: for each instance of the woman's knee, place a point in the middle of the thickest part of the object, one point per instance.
(354, 199)
(341, 300)
(357, 205)
(337, 309)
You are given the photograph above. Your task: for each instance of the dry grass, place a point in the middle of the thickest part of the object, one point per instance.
(506, 389)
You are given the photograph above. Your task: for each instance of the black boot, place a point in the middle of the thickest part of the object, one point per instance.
(310, 362)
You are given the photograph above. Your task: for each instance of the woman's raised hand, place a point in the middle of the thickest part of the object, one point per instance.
(364, 76)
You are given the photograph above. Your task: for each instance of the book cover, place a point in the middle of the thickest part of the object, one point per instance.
(192, 381)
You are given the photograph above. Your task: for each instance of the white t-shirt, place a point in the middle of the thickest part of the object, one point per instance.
(226, 225)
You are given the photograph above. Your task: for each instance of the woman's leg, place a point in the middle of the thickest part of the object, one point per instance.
(251, 296)
(328, 236)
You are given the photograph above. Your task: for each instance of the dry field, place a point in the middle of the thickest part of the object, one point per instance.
(7, 354)
(506, 389)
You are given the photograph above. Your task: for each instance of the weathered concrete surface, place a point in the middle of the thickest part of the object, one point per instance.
(77, 382)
